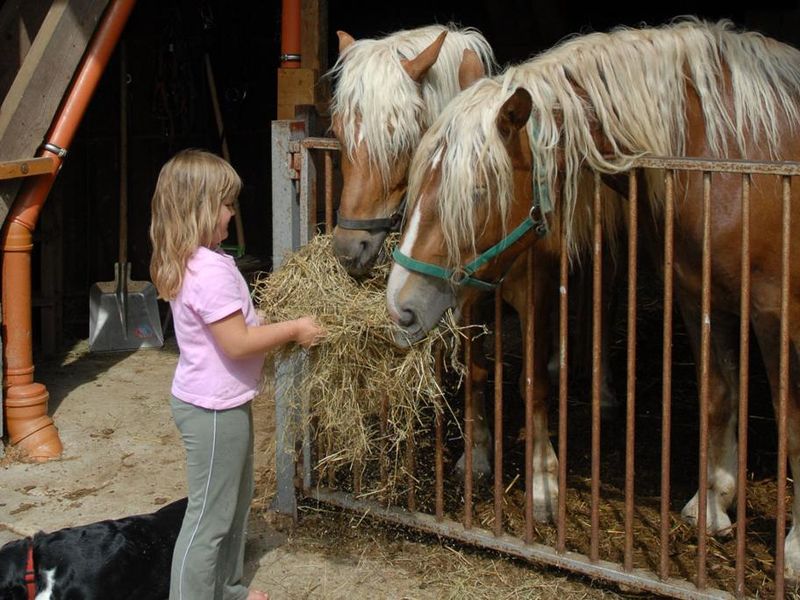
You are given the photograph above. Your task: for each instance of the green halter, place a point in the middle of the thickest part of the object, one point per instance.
(465, 275)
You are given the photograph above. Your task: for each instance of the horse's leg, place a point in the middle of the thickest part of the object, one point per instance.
(481, 438)
(767, 331)
(545, 461)
(723, 401)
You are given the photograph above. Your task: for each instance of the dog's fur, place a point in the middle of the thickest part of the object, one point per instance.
(123, 559)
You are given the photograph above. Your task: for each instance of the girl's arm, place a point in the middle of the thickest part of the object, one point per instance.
(238, 340)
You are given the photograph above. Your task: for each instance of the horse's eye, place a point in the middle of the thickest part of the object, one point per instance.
(479, 194)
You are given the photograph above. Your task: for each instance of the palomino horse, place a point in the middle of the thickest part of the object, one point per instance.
(685, 89)
(388, 93)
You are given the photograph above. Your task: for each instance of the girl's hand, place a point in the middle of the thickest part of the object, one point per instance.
(309, 332)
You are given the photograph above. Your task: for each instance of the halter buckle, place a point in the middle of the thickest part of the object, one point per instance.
(458, 276)
(539, 222)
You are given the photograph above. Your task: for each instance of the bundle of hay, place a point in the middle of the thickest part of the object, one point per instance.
(346, 379)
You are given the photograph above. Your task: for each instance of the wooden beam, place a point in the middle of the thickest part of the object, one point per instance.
(14, 169)
(49, 65)
(19, 23)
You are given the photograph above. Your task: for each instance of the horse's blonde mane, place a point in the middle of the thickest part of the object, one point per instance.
(633, 83)
(379, 103)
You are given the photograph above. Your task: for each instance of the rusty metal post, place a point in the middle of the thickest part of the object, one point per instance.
(597, 374)
(705, 357)
(468, 424)
(529, 433)
(498, 411)
(666, 370)
(744, 383)
(630, 422)
(439, 464)
(783, 395)
(563, 388)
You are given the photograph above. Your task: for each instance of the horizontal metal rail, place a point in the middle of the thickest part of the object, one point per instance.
(755, 167)
(640, 579)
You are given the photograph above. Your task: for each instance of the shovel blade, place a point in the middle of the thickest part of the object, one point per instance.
(124, 320)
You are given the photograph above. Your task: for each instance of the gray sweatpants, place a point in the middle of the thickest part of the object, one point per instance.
(209, 553)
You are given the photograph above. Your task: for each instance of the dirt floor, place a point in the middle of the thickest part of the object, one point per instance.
(123, 456)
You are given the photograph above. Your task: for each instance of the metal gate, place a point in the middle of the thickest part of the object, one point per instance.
(637, 561)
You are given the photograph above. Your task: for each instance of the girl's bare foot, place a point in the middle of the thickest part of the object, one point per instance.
(257, 595)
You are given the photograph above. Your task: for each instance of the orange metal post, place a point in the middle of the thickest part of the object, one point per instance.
(29, 426)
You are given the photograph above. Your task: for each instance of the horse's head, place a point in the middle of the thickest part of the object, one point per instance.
(377, 150)
(471, 189)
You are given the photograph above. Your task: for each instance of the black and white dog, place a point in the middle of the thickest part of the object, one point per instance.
(123, 559)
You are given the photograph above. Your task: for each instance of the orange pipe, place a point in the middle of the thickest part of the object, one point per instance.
(290, 34)
(28, 425)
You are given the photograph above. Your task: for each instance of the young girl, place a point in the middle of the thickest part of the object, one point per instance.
(222, 347)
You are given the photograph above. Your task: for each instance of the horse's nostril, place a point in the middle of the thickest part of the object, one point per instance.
(407, 318)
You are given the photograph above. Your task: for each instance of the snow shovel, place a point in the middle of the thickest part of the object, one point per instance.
(123, 314)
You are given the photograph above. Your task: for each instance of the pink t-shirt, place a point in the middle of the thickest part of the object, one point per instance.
(212, 289)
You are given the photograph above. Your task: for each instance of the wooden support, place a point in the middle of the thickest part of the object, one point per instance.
(302, 86)
(295, 87)
(20, 21)
(14, 169)
(39, 85)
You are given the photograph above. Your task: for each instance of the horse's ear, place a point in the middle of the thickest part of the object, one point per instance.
(471, 69)
(514, 113)
(345, 40)
(418, 66)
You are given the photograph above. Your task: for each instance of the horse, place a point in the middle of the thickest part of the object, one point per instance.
(688, 88)
(388, 93)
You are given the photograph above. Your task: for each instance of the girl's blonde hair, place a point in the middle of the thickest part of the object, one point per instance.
(191, 189)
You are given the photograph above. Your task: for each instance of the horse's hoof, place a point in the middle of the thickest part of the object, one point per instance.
(481, 465)
(545, 499)
(791, 554)
(718, 523)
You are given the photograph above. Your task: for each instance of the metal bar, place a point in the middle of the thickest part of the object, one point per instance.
(563, 388)
(14, 169)
(439, 458)
(411, 469)
(538, 553)
(529, 433)
(498, 411)
(783, 395)
(468, 425)
(720, 166)
(705, 358)
(286, 416)
(666, 370)
(744, 382)
(328, 192)
(285, 207)
(597, 332)
(384, 468)
(630, 423)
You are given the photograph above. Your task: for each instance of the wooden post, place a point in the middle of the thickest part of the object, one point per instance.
(298, 86)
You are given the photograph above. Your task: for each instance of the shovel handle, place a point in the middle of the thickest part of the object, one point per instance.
(123, 155)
